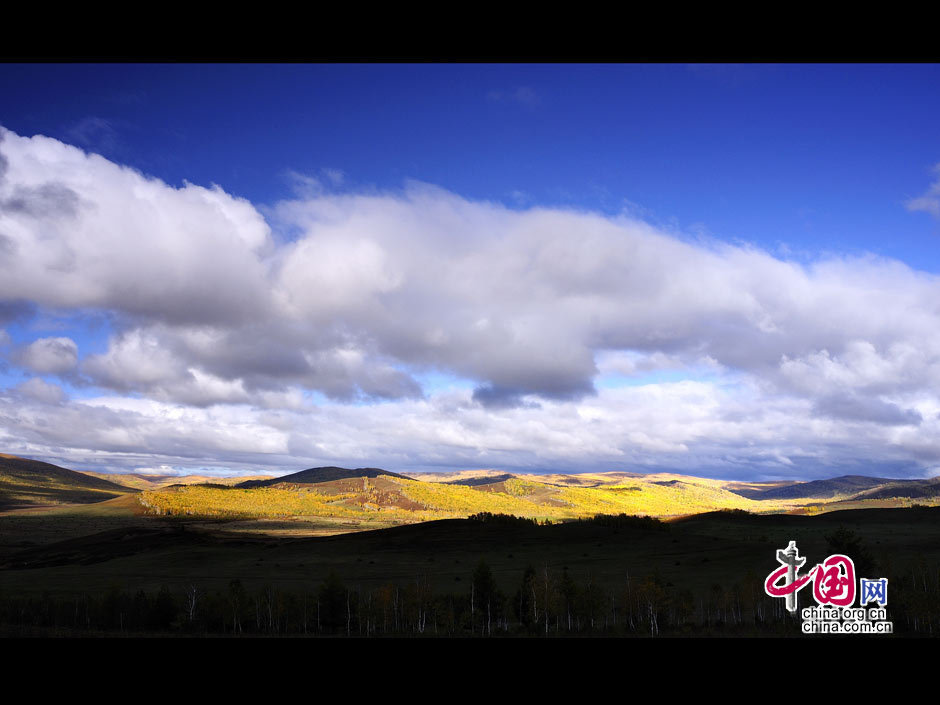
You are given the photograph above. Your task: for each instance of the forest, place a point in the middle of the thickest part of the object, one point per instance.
(546, 602)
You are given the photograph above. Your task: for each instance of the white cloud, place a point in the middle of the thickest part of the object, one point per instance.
(216, 319)
(687, 426)
(81, 231)
(42, 391)
(50, 355)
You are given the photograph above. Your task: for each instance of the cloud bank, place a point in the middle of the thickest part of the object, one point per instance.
(309, 334)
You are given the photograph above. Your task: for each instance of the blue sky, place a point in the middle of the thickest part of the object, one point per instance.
(805, 170)
(813, 156)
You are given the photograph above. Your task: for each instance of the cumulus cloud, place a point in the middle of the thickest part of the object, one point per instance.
(257, 364)
(358, 296)
(527, 302)
(49, 355)
(81, 231)
(41, 391)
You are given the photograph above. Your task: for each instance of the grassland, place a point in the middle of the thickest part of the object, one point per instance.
(388, 499)
(326, 501)
(383, 531)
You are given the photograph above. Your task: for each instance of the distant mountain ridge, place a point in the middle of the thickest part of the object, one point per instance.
(145, 481)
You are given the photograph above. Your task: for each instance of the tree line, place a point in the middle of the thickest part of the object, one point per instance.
(545, 602)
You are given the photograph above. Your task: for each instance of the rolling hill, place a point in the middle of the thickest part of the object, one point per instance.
(25, 483)
(313, 476)
(910, 489)
(841, 487)
(368, 495)
(335, 499)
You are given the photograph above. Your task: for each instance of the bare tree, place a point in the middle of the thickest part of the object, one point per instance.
(192, 597)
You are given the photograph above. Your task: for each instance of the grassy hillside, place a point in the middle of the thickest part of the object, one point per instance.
(25, 483)
(387, 497)
(371, 498)
(313, 476)
(329, 500)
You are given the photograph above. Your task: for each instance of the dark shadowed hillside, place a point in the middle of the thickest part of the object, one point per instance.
(476, 481)
(913, 489)
(817, 489)
(316, 475)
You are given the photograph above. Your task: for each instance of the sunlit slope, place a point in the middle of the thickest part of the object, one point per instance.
(25, 483)
(584, 479)
(407, 500)
(475, 477)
